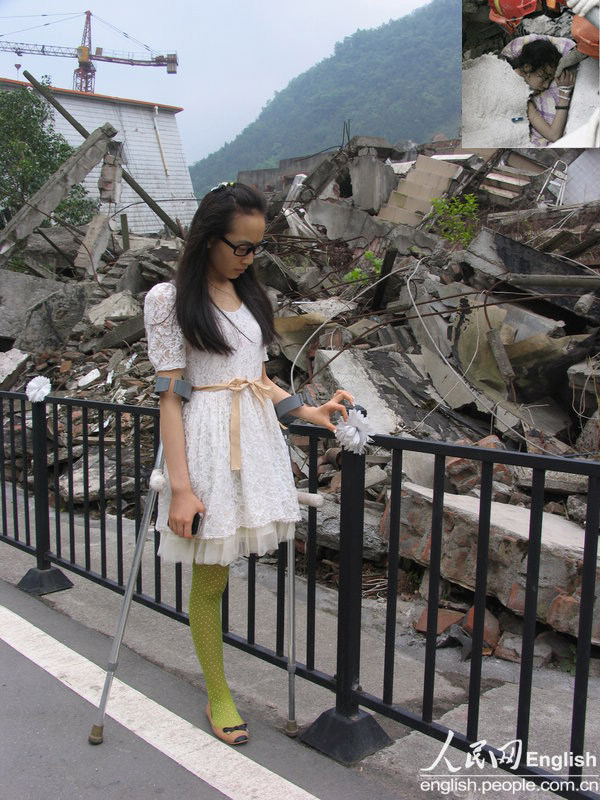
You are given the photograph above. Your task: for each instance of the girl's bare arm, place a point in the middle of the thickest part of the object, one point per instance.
(318, 415)
(184, 503)
(556, 129)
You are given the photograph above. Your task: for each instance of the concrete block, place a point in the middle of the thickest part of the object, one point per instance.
(432, 182)
(94, 244)
(343, 221)
(409, 203)
(437, 166)
(416, 189)
(399, 216)
(560, 562)
(12, 363)
(117, 307)
(48, 324)
(372, 182)
(351, 370)
(130, 331)
(19, 293)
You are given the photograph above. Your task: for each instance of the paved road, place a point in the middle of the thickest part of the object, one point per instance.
(157, 742)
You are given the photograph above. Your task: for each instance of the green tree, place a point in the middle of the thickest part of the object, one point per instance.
(31, 151)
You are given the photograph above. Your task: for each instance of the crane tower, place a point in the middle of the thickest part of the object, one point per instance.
(84, 76)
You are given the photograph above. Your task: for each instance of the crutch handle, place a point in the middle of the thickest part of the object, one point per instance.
(310, 499)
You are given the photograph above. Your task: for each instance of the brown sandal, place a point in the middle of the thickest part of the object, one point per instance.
(237, 734)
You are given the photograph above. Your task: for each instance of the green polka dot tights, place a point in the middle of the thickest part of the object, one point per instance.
(208, 584)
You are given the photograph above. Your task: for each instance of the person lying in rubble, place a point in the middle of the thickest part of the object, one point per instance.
(225, 454)
(536, 58)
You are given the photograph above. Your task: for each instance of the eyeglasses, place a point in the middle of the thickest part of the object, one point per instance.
(544, 75)
(245, 249)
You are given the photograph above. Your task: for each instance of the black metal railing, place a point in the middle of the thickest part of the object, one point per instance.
(85, 533)
(424, 722)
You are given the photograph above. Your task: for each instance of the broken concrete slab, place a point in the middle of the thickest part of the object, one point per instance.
(538, 357)
(139, 269)
(55, 247)
(117, 307)
(94, 244)
(351, 369)
(293, 331)
(560, 563)
(93, 486)
(449, 385)
(128, 332)
(329, 308)
(12, 364)
(559, 482)
(48, 323)
(45, 200)
(274, 272)
(372, 181)
(328, 530)
(491, 256)
(342, 220)
(19, 292)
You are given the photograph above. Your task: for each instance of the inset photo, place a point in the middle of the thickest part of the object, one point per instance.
(530, 75)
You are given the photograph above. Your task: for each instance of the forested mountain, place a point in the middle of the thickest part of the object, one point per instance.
(400, 81)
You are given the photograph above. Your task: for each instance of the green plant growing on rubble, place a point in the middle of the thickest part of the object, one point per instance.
(456, 218)
(31, 152)
(358, 275)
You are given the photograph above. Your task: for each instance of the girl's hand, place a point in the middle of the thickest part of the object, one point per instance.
(566, 78)
(184, 505)
(321, 415)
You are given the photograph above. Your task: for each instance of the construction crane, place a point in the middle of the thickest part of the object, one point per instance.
(84, 77)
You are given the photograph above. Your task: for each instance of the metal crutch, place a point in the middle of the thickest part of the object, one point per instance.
(96, 734)
(291, 727)
(308, 499)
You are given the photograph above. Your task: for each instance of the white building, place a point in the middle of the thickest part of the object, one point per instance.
(152, 154)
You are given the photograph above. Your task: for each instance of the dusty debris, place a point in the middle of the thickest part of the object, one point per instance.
(12, 364)
(443, 343)
(560, 564)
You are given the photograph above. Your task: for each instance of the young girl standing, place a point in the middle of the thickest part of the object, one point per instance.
(224, 451)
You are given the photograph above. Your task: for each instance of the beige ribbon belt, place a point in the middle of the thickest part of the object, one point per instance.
(259, 389)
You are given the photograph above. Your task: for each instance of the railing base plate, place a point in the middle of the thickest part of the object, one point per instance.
(44, 581)
(346, 739)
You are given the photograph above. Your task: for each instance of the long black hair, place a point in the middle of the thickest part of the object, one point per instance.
(536, 55)
(195, 311)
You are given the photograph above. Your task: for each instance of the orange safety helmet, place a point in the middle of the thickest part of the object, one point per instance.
(586, 36)
(509, 13)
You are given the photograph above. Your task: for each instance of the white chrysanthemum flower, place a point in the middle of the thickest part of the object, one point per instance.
(157, 480)
(355, 433)
(38, 389)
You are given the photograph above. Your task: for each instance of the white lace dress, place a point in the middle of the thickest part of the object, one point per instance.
(247, 511)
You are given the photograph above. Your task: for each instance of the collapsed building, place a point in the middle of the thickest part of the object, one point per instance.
(150, 149)
(490, 339)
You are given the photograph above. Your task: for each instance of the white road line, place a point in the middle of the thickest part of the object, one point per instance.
(200, 753)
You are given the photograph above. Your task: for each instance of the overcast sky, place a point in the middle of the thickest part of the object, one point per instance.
(233, 54)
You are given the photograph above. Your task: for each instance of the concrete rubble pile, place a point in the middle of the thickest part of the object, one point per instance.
(460, 345)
